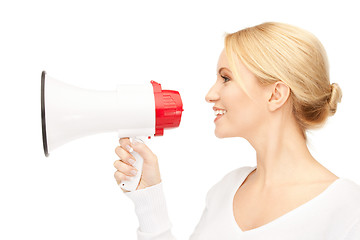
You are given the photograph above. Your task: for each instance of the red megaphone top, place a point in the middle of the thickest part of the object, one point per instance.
(168, 108)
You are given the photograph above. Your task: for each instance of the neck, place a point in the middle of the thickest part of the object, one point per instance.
(282, 155)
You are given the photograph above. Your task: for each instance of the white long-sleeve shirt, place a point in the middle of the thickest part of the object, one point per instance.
(332, 215)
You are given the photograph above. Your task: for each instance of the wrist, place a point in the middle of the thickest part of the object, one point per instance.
(144, 184)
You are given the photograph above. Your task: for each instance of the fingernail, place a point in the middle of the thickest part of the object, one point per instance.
(133, 172)
(136, 141)
(129, 148)
(131, 161)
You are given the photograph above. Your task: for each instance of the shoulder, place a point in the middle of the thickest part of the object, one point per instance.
(341, 203)
(237, 174)
(349, 192)
(228, 183)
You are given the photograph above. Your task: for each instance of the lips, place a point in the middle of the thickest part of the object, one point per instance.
(218, 117)
(219, 112)
(216, 108)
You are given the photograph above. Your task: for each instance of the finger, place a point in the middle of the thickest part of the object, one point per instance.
(119, 177)
(125, 156)
(126, 144)
(143, 150)
(125, 168)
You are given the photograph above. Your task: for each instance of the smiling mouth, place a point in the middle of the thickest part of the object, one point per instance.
(219, 114)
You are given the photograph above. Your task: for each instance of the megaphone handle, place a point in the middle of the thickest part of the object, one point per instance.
(132, 184)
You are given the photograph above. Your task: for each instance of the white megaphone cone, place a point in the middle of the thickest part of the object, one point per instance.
(139, 111)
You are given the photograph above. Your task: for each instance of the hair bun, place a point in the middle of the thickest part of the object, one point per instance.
(335, 98)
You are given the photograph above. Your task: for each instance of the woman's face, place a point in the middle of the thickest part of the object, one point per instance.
(245, 114)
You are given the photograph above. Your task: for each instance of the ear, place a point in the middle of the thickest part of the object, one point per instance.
(280, 92)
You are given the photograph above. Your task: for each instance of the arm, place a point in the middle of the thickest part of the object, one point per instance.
(149, 199)
(151, 210)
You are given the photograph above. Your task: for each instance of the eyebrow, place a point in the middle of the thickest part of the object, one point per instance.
(222, 69)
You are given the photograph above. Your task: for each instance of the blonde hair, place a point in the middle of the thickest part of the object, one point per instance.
(276, 51)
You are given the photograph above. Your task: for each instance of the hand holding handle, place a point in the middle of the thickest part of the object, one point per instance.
(132, 184)
(146, 163)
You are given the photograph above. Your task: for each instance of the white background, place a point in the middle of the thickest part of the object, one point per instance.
(100, 44)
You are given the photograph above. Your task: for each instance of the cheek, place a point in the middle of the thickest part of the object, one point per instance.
(245, 114)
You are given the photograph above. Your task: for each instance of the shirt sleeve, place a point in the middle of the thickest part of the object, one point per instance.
(354, 231)
(151, 210)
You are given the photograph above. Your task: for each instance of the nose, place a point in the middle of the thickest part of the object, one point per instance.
(212, 95)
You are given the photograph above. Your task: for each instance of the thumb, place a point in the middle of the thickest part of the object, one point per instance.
(144, 151)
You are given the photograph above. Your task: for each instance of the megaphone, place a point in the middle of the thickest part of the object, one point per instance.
(137, 111)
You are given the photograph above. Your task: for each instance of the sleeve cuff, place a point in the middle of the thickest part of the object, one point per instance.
(150, 208)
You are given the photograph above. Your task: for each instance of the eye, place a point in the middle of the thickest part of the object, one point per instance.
(226, 79)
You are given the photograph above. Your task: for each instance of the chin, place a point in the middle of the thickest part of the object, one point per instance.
(229, 133)
(220, 134)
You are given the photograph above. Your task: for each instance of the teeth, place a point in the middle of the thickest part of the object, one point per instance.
(217, 112)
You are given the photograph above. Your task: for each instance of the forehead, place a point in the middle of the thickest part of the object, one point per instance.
(223, 62)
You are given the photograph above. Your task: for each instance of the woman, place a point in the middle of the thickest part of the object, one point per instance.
(272, 85)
